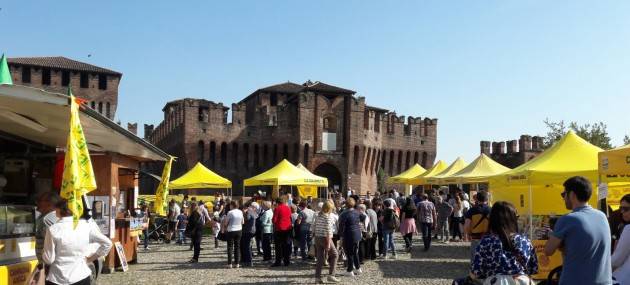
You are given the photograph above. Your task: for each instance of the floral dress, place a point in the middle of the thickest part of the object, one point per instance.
(492, 259)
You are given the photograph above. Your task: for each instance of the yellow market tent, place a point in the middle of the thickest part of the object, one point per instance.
(305, 191)
(456, 166)
(541, 179)
(477, 171)
(434, 170)
(406, 176)
(615, 164)
(614, 170)
(199, 177)
(285, 173)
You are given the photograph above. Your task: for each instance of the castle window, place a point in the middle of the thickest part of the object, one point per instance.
(246, 154)
(26, 74)
(108, 110)
(256, 157)
(102, 81)
(306, 153)
(391, 163)
(296, 153)
(100, 107)
(93, 105)
(425, 159)
(235, 155)
(377, 122)
(265, 159)
(415, 158)
(329, 134)
(45, 76)
(399, 165)
(407, 158)
(273, 100)
(275, 154)
(213, 153)
(223, 155)
(285, 151)
(200, 151)
(203, 114)
(65, 78)
(84, 80)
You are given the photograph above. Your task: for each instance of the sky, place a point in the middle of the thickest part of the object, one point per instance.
(487, 70)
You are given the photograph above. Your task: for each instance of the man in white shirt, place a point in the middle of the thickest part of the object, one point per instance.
(173, 212)
(48, 216)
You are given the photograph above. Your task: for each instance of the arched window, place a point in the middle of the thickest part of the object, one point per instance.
(265, 161)
(425, 159)
(415, 157)
(306, 154)
(213, 154)
(407, 158)
(246, 154)
(200, 151)
(235, 155)
(355, 161)
(399, 165)
(108, 110)
(367, 159)
(275, 153)
(383, 158)
(100, 107)
(285, 151)
(391, 162)
(296, 153)
(223, 155)
(256, 157)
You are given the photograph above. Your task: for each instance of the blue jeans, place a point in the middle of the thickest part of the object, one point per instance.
(246, 248)
(181, 237)
(305, 242)
(426, 234)
(145, 235)
(388, 239)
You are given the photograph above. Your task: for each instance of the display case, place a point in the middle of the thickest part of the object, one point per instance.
(17, 221)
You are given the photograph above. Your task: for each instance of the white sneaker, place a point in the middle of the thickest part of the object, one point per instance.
(358, 271)
(349, 274)
(332, 279)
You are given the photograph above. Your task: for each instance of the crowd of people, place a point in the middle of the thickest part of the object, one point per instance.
(352, 230)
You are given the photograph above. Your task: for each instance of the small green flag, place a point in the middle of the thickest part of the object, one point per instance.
(5, 74)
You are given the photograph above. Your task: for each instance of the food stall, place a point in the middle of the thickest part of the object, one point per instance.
(33, 132)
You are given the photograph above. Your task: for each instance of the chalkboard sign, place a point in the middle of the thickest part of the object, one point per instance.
(121, 256)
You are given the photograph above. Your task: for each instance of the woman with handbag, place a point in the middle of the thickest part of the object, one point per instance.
(503, 256)
(194, 230)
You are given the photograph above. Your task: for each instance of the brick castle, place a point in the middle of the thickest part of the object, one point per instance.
(328, 129)
(518, 152)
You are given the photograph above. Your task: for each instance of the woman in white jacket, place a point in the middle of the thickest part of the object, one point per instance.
(65, 248)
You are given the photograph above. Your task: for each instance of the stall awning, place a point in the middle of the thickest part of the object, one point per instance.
(434, 170)
(200, 177)
(406, 176)
(285, 173)
(477, 171)
(42, 117)
(456, 166)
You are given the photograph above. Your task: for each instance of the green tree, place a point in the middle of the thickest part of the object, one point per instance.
(626, 140)
(381, 179)
(594, 133)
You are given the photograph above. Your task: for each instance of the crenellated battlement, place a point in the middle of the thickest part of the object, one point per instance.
(512, 153)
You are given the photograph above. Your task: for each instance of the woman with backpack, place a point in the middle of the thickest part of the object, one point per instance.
(390, 222)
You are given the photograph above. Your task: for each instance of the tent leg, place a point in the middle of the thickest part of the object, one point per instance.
(531, 214)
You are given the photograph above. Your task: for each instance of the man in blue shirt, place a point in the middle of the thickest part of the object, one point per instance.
(583, 236)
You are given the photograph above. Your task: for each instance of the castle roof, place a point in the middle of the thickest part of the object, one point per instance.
(61, 62)
(293, 88)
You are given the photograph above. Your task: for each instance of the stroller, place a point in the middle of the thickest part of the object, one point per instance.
(158, 229)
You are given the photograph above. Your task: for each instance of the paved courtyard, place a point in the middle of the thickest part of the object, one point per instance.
(167, 264)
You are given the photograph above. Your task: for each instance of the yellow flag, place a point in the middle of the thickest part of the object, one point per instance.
(162, 191)
(78, 175)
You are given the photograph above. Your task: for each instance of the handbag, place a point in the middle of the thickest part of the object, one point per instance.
(222, 236)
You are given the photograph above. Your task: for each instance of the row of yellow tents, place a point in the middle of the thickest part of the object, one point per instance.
(535, 186)
(283, 174)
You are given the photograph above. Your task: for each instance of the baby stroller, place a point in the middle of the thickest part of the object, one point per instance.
(157, 230)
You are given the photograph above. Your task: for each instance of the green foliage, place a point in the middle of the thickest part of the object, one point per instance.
(381, 179)
(626, 140)
(594, 133)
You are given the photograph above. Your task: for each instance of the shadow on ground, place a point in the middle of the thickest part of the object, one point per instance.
(422, 269)
(438, 250)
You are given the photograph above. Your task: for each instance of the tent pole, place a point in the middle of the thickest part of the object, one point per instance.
(531, 213)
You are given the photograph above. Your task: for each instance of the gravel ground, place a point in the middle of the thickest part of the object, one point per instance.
(167, 264)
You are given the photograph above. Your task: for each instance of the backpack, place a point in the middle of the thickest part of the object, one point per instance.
(390, 220)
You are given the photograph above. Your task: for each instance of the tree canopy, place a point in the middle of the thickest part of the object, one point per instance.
(594, 133)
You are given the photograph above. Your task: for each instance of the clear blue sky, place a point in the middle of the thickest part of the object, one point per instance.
(488, 70)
